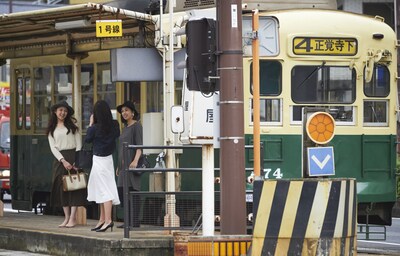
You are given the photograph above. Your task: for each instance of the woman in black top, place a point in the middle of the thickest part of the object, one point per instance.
(102, 132)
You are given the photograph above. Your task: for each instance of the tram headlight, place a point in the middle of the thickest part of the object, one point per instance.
(4, 173)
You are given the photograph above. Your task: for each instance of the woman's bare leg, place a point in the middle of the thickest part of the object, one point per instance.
(72, 217)
(67, 214)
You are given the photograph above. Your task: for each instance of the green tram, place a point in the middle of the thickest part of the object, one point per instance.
(323, 60)
(340, 63)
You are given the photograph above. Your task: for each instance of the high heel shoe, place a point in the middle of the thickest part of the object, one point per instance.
(98, 227)
(111, 225)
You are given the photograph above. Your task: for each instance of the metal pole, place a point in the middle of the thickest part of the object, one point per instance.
(171, 219)
(125, 189)
(77, 90)
(233, 187)
(208, 189)
(256, 95)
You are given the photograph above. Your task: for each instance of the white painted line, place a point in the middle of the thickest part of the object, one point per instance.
(377, 242)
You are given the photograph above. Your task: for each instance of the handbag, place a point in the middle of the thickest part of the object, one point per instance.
(143, 162)
(84, 158)
(72, 182)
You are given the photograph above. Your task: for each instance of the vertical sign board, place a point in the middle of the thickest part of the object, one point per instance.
(108, 28)
(321, 161)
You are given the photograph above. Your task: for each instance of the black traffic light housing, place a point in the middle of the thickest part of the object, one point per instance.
(201, 62)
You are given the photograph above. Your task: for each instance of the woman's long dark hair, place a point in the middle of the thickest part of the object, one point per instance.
(102, 117)
(69, 123)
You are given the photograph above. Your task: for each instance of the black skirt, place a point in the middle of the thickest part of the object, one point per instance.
(58, 197)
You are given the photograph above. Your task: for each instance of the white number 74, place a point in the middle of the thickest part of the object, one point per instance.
(277, 173)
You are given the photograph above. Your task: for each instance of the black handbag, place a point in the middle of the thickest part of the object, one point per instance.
(84, 158)
(143, 162)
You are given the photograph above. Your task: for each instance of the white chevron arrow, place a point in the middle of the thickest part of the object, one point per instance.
(321, 164)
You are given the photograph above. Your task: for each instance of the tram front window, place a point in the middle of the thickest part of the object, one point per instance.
(323, 84)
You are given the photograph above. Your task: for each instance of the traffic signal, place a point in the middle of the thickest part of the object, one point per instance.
(201, 61)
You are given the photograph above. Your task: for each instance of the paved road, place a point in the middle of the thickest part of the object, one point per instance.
(390, 246)
(18, 253)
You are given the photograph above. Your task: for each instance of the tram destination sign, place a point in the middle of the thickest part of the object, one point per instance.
(325, 46)
(108, 28)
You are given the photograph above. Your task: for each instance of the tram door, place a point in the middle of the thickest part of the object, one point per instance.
(21, 141)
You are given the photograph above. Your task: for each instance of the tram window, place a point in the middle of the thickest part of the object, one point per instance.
(63, 83)
(132, 92)
(42, 97)
(343, 115)
(87, 87)
(5, 136)
(87, 73)
(28, 93)
(323, 84)
(20, 84)
(379, 86)
(154, 92)
(106, 90)
(178, 92)
(63, 79)
(24, 98)
(270, 111)
(270, 78)
(375, 113)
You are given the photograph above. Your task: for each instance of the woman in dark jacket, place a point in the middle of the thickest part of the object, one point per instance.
(102, 132)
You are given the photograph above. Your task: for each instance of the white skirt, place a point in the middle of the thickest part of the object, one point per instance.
(102, 186)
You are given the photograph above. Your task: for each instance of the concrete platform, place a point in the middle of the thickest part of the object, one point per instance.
(26, 231)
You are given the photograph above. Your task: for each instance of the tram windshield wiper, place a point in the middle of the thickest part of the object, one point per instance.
(309, 76)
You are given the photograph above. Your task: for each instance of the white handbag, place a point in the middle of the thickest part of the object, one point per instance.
(72, 182)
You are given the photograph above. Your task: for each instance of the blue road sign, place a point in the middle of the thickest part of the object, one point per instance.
(320, 161)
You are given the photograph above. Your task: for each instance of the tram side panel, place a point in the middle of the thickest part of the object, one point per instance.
(31, 177)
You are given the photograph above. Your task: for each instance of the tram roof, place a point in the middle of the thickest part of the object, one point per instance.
(33, 33)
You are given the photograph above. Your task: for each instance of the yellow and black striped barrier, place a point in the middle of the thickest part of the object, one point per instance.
(305, 217)
(223, 245)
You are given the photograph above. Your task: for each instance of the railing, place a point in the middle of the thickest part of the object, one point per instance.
(48, 2)
(154, 205)
(398, 184)
(371, 232)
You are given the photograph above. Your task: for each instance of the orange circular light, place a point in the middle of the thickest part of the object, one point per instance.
(320, 127)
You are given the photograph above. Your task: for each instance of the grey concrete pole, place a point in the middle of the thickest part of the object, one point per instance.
(233, 187)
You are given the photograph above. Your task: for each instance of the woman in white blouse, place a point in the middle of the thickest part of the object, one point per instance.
(64, 140)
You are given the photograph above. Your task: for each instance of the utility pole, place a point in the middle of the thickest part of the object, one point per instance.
(233, 186)
(397, 30)
(256, 96)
